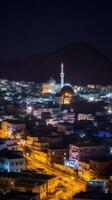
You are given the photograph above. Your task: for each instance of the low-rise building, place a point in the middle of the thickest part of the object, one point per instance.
(92, 195)
(16, 195)
(82, 116)
(102, 167)
(84, 171)
(41, 145)
(97, 185)
(86, 151)
(12, 161)
(31, 139)
(28, 181)
(9, 127)
(58, 155)
(8, 143)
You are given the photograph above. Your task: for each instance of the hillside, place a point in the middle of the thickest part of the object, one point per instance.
(83, 64)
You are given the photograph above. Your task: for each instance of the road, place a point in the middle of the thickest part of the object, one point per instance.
(71, 185)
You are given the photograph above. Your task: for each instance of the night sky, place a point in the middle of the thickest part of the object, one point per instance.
(40, 26)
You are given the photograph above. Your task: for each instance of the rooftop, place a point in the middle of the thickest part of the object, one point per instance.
(87, 144)
(19, 196)
(102, 159)
(15, 121)
(27, 174)
(91, 195)
(9, 154)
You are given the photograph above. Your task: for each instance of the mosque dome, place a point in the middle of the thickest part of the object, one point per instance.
(51, 81)
(67, 89)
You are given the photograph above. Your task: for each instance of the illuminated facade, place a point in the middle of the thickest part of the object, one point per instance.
(84, 152)
(50, 87)
(5, 130)
(65, 96)
(41, 184)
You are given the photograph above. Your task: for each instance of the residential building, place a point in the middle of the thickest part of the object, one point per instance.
(11, 161)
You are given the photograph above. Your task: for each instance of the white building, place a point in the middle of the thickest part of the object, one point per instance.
(82, 116)
(16, 126)
(12, 161)
(9, 127)
(85, 151)
(7, 143)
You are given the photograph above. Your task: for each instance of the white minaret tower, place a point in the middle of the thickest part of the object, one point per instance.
(62, 75)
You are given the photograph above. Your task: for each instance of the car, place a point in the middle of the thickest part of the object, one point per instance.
(40, 170)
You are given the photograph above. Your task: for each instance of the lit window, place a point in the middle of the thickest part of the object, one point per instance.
(110, 150)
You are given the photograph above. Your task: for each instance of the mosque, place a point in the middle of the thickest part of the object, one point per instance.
(64, 93)
(50, 87)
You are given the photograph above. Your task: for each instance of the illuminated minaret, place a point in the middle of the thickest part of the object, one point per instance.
(62, 75)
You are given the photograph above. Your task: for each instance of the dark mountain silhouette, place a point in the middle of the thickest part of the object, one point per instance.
(83, 64)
